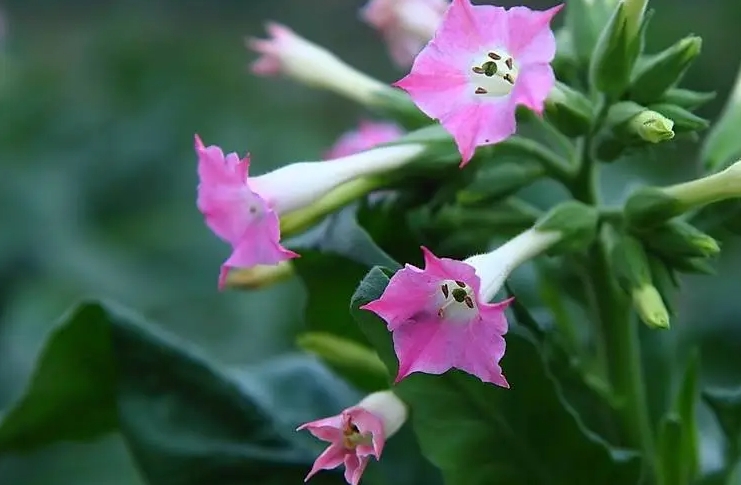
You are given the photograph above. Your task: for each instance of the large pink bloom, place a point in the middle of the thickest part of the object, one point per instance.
(406, 25)
(482, 63)
(354, 436)
(369, 134)
(439, 321)
(236, 212)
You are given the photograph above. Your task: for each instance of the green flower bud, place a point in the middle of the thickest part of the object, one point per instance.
(585, 20)
(664, 279)
(649, 206)
(568, 110)
(630, 265)
(723, 143)
(350, 359)
(618, 48)
(684, 121)
(693, 266)
(576, 222)
(501, 179)
(685, 98)
(659, 72)
(651, 126)
(632, 123)
(259, 276)
(679, 239)
(650, 307)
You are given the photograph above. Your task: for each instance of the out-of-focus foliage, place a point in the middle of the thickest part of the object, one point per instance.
(98, 107)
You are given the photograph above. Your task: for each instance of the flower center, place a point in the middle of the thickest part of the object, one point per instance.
(352, 437)
(495, 75)
(457, 301)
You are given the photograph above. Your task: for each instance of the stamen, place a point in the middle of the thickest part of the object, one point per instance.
(444, 289)
(460, 283)
(477, 70)
(508, 77)
(481, 91)
(494, 56)
(469, 301)
(508, 62)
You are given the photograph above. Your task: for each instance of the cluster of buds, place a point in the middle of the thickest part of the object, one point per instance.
(475, 73)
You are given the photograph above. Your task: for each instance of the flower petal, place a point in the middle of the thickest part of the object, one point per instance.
(533, 86)
(332, 457)
(531, 39)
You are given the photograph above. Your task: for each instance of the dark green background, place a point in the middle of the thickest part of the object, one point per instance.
(98, 106)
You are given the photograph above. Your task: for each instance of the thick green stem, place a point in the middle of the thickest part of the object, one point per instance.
(618, 331)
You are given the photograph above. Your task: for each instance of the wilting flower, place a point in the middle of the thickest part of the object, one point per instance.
(440, 317)
(368, 135)
(406, 25)
(244, 210)
(357, 433)
(483, 62)
(287, 53)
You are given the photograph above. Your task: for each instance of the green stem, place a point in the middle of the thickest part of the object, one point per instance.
(618, 330)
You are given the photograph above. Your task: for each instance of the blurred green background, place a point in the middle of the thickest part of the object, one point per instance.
(98, 106)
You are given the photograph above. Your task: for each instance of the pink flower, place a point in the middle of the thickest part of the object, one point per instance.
(482, 63)
(368, 135)
(440, 321)
(406, 25)
(357, 433)
(236, 212)
(245, 211)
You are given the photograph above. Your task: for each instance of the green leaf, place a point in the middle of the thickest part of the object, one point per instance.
(726, 405)
(184, 421)
(480, 434)
(334, 257)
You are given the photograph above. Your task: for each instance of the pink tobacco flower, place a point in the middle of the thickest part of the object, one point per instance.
(368, 135)
(236, 212)
(439, 320)
(287, 53)
(483, 62)
(406, 25)
(440, 317)
(357, 433)
(245, 211)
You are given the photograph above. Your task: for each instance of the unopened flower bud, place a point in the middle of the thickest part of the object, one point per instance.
(585, 20)
(500, 180)
(684, 121)
(661, 71)
(650, 206)
(574, 221)
(686, 98)
(679, 239)
(694, 266)
(651, 126)
(568, 110)
(259, 276)
(630, 265)
(289, 54)
(723, 143)
(618, 48)
(347, 357)
(650, 307)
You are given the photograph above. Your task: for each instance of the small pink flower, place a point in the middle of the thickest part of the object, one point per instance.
(369, 134)
(482, 63)
(357, 433)
(440, 321)
(406, 25)
(236, 212)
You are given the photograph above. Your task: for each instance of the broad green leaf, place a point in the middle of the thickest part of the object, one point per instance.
(726, 404)
(185, 421)
(722, 146)
(481, 434)
(334, 257)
